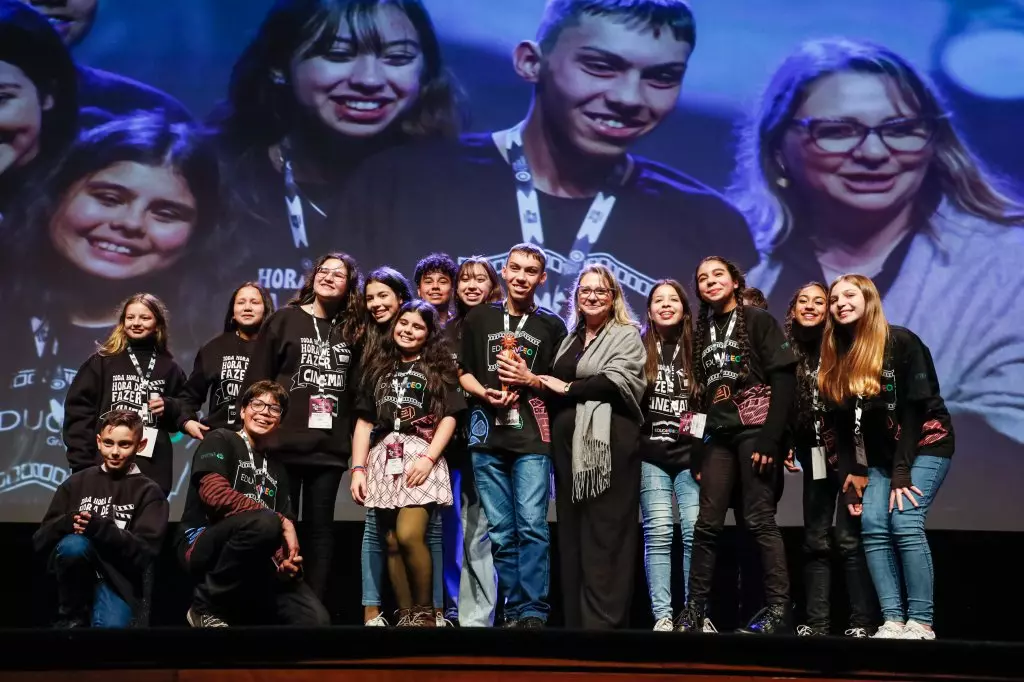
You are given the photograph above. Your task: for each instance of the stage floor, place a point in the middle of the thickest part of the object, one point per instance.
(457, 655)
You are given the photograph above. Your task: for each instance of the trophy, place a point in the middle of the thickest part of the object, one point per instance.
(509, 350)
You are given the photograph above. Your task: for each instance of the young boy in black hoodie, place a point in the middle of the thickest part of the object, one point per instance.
(103, 529)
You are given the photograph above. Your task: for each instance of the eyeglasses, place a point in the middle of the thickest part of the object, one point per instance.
(260, 406)
(587, 292)
(331, 273)
(841, 136)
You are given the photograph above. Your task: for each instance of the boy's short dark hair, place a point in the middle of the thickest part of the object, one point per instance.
(532, 250)
(674, 15)
(265, 387)
(128, 418)
(436, 262)
(755, 297)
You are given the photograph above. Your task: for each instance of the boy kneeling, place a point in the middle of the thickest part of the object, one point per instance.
(237, 541)
(103, 529)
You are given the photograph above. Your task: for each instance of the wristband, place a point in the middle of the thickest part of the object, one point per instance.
(358, 468)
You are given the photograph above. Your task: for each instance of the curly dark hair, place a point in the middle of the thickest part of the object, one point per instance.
(435, 359)
(353, 313)
(375, 333)
(739, 334)
(808, 350)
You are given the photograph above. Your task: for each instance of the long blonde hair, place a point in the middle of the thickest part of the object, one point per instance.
(856, 371)
(621, 312)
(117, 342)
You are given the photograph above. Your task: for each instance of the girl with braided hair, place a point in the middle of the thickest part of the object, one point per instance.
(744, 381)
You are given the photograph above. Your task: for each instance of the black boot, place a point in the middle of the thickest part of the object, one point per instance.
(694, 618)
(773, 619)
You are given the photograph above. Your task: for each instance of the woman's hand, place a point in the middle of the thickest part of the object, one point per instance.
(156, 406)
(195, 429)
(760, 462)
(859, 483)
(416, 474)
(358, 486)
(553, 384)
(896, 497)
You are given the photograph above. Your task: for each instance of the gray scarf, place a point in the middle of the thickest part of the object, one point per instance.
(617, 353)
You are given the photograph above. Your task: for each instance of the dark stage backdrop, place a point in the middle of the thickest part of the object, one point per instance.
(972, 50)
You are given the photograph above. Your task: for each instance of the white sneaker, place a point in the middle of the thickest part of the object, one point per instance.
(915, 630)
(890, 630)
(664, 625)
(377, 622)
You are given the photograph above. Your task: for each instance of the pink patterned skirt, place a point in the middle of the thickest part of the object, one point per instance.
(385, 491)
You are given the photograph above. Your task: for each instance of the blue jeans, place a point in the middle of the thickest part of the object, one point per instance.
(884, 533)
(514, 494)
(656, 490)
(372, 559)
(80, 591)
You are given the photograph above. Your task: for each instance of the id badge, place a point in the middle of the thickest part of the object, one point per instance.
(396, 459)
(693, 423)
(509, 417)
(818, 471)
(321, 410)
(150, 434)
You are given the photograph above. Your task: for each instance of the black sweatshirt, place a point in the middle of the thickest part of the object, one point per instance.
(217, 376)
(665, 400)
(537, 343)
(287, 352)
(111, 382)
(908, 418)
(737, 407)
(129, 518)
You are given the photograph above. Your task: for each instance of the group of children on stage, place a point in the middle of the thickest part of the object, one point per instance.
(452, 403)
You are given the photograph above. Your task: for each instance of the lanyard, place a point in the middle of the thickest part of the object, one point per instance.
(670, 375)
(252, 461)
(725, 339)
(816, 405)
(858, 437)
(529, 209)
(138, 368)
(293, 200)
(519, 327)
(400, 387)
(323, 347)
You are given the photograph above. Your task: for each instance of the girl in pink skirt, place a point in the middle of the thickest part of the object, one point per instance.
(406, 415)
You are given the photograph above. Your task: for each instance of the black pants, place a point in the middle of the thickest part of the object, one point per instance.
(317, 487)
(599, 538)
(232, 561)
(724, 462)
(819, 508)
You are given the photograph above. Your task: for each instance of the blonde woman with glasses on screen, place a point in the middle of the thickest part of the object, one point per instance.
(852, 163)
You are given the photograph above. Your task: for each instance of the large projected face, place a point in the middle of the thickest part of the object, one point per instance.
(125, 221)
(604, 83)
(884, 173)
(358, 91)
(21, 117)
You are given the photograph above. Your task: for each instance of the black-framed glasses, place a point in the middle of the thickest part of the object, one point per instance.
(258, 405)
(841, 135)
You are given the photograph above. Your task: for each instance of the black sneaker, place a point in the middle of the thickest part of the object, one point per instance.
(509, 623)
(811, 631)
(858, 632)
(531, 623)
(771, 620)
(201, 618)
(694, 618)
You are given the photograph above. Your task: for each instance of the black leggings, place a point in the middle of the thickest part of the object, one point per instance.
(724, 462)
(317, 488)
